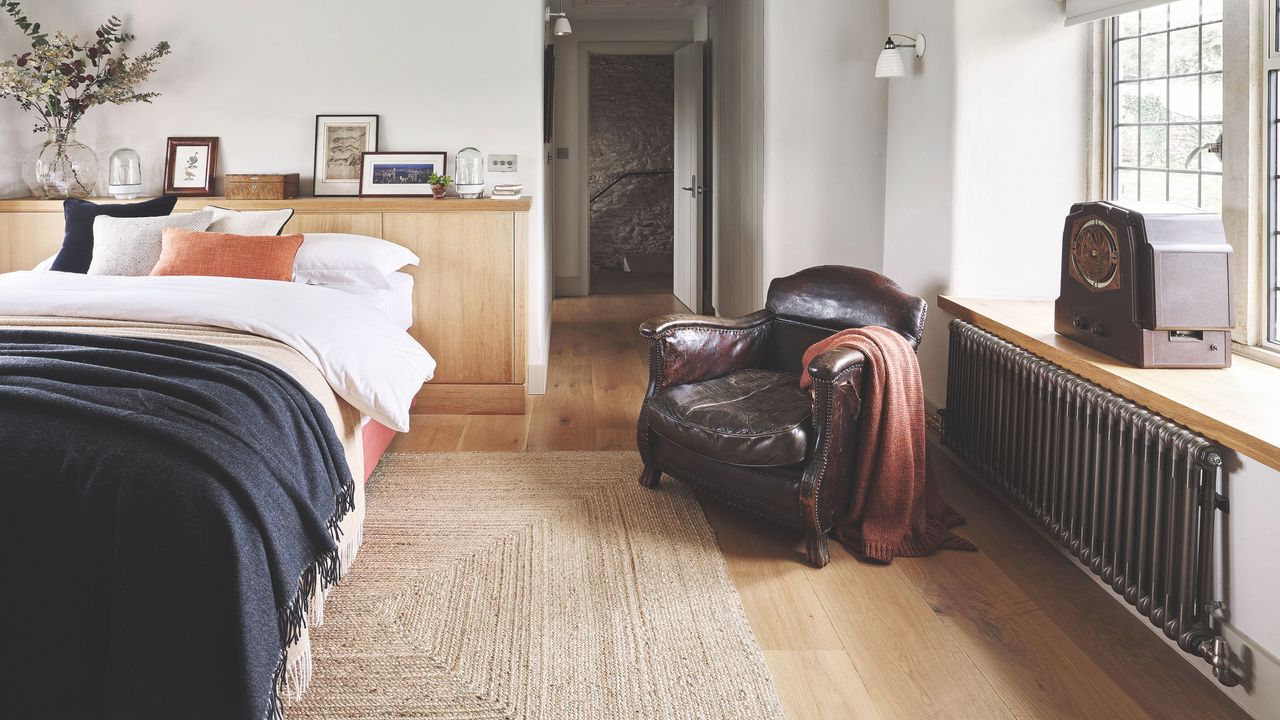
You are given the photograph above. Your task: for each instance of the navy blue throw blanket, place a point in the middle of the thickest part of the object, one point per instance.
(167, 508)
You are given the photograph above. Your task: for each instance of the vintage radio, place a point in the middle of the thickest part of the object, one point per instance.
(1147, 283)
(261, 187)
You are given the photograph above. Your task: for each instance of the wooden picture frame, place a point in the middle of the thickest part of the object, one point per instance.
(340, 143)
(400, 174)
(190, 165)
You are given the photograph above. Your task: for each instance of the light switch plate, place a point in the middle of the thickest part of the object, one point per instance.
(502, 163)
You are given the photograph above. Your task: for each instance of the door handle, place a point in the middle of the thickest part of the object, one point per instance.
(694, 188)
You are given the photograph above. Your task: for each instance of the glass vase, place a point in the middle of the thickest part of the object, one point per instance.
(60, 167)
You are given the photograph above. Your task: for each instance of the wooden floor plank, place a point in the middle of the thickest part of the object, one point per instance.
(564, 418)
(1032, 665)
(782, 607)
(820, 685)
(494, 433)
(430, 433)
(911, 662)
(1122, 646)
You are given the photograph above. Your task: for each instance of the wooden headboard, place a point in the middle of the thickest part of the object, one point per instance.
(469, 291)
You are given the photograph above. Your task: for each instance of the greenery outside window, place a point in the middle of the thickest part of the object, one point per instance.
(1166, 104)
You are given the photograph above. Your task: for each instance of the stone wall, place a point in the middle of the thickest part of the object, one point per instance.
(631, 128)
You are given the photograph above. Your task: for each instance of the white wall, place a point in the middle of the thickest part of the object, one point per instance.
(987, 152)
(639, 35)
(919, 224)
(257, 73)
(1249, 581)
(1022, 91)
(736, 32)
(826, 114)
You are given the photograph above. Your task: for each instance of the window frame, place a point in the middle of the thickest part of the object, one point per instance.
(1251, 47)
(1114, 125)
(1269, 248)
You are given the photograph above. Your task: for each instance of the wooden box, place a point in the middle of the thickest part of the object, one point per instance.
(261, 187)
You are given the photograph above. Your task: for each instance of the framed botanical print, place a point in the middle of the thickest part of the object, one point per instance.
(190, 164)
(400, 173)
(341, 142)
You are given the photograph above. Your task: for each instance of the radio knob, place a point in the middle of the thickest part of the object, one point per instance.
(1081, 322)
(1098, 330)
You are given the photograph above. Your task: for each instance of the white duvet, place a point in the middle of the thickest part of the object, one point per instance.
(368, 361)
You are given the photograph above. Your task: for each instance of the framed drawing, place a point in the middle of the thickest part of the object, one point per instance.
(341, 141)
(400, 173)
(190, 164)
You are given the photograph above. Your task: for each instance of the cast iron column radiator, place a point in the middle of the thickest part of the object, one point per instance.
(1128, 492)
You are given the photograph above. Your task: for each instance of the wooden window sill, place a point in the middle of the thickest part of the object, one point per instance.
(1238, 407)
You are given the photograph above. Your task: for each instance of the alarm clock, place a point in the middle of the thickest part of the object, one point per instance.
(1147, 283)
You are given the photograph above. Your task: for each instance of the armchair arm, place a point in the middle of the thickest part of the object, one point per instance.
(831, 364)
(691, 348)
(837, 406)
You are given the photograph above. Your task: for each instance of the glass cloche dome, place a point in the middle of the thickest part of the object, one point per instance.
(124, 176)
(469, 168)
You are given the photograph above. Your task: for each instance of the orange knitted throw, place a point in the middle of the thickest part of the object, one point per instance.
(896, 506)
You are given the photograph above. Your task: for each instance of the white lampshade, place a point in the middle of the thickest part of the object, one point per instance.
(562, 27)
(890, 64)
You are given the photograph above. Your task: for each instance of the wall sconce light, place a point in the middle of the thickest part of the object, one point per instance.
(889, 64)
(562, 26)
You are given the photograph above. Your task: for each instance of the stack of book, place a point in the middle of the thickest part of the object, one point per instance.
(507, 192)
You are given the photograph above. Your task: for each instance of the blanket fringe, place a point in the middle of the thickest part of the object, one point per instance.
(293, 670)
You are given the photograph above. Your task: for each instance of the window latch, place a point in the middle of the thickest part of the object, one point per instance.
(1214, 147)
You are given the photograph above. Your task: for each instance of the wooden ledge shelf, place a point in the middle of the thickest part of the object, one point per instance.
(1238, 407)
(306, 204)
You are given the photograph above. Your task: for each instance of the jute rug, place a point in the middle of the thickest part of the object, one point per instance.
(534, 585)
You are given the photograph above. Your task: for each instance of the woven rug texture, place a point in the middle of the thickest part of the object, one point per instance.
(534, 585)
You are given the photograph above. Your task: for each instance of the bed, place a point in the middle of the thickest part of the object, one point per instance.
(182, 482)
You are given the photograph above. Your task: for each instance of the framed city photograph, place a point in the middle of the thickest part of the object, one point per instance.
(190, 164)
(400, 173)
(341, 140)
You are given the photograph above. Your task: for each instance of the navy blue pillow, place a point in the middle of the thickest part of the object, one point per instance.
(77, 241)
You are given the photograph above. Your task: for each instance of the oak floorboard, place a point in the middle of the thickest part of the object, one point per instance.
(781, 605)
(912, 662)
(494, 433)
(563, 418)
(1122, 646)
(430, 433)
(820, 685)
(1032, 665)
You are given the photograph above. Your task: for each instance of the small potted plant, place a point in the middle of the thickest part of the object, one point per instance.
(440, 184)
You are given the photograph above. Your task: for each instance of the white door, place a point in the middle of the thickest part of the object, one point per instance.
(687, 283)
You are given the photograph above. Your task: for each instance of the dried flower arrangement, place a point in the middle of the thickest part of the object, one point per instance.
(61, 77)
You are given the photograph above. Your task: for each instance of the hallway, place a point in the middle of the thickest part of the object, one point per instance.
(1013, 631)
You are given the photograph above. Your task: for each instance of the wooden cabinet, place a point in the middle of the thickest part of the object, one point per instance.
(469, 290)
(26, 238)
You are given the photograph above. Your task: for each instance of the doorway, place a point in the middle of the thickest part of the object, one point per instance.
(630, 157)
(642, 202)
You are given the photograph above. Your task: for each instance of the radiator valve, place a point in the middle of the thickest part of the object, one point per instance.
(1214, 651)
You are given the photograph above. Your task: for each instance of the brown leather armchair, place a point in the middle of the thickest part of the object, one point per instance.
(725, 412)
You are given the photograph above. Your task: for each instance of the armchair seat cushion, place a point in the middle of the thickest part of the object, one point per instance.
(757, 418)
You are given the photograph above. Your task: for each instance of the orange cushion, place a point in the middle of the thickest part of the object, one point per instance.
(187, 252)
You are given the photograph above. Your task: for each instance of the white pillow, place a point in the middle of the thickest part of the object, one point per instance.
(342, 259)
(131, 246)
(248, 222)
(45, 264)
(395, 302)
